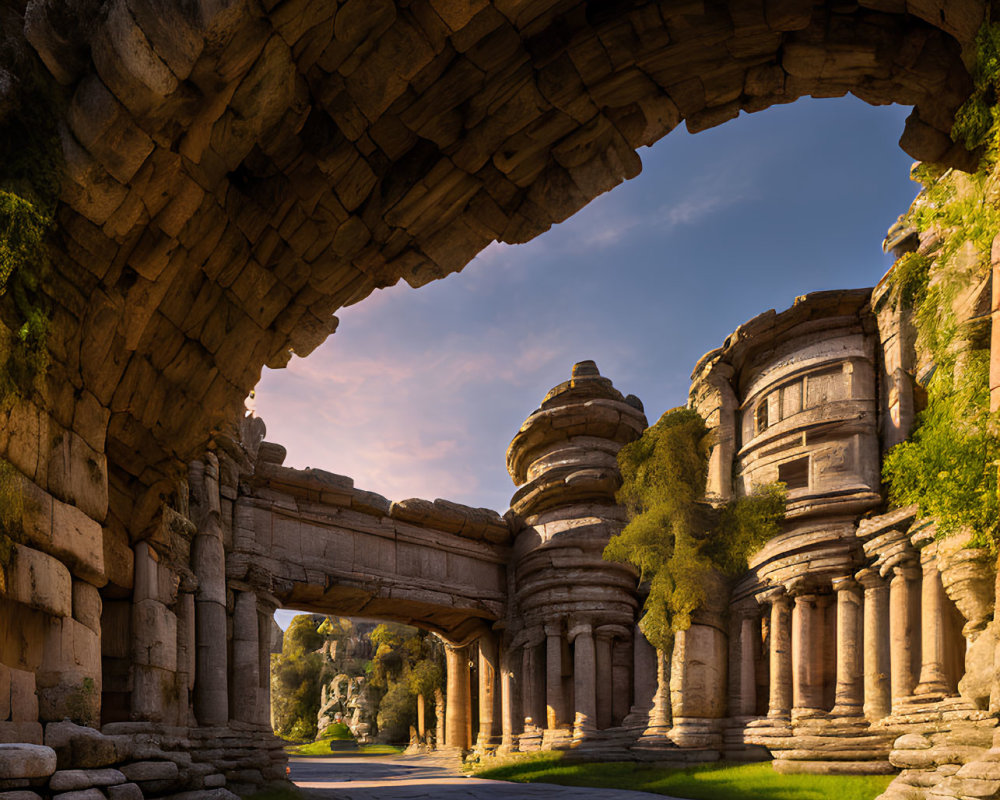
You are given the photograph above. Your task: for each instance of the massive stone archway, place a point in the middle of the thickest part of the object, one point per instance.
(236, 171)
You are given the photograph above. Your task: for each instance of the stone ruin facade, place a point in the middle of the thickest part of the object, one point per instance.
(856, 642)
(235, 172)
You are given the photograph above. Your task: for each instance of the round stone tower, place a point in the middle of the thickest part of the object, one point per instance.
(574, 611)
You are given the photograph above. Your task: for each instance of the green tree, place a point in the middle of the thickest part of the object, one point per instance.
(295, 679)
(673, 537)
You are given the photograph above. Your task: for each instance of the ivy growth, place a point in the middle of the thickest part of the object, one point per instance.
(976, 122)
(674, 538)
(30, 175)
(949, 465)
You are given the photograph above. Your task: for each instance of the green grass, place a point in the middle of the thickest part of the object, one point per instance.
(322, 748)
(707, 782)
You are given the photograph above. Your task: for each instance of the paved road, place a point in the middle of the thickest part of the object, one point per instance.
(426, 778)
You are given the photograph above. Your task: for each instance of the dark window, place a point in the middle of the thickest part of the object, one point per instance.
(761, 416)
(795, 474)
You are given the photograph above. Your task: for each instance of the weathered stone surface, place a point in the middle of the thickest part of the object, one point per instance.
(69, 780)
(83, 794)
(26, 761)
(150, 770)
(125, 791)
(39, 581)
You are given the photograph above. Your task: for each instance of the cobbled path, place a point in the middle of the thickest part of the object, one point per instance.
(427, 778)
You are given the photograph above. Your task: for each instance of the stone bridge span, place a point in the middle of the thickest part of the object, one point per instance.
(236, 170)
(329, 548)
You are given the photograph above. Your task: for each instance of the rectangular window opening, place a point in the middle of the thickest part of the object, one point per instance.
(795, 474)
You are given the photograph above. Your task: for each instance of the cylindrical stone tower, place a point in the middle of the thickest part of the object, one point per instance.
(574, 610)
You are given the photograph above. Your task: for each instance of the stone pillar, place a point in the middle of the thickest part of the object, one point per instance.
(806, 656)
(555, 703)
(780, 642)
(849, 696)
(603, 640)
(749, 635)
(533, 692)
(902, 621)
(246, 658)
(457, 704)
(584, 679)
(621, 676)
(876, 643)
(185, 656)
(487, 738)
(933, 678)
(211, 687)
(440, 712)
(508, 717)
(421, 718)
(643, 680)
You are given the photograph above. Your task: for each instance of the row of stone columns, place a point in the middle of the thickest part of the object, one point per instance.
(877, 647)
(597, 698)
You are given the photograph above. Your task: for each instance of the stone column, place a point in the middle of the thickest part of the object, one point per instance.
(876, 643)
(246, 658)
(621, 676)
(643, 680)
(584, 679)
(806, 658)
(933, 678)
(487, 738)
(533, 692)
(440, 712)
(603, 640)
(421, 718)
(185, 656)
(208, 557)
(780, 694)
(849, 691)
(902, 621)
(457, 704)
(749, 635)
(508, 717)
(554, 701)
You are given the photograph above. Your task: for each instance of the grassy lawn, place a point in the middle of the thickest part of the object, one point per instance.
(707, 782)
(322, 748)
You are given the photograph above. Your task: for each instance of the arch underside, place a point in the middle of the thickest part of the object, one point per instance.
(237, 170)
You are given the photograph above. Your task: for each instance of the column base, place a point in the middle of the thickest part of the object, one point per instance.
(799, 714)
(847, 710)
(929, 690)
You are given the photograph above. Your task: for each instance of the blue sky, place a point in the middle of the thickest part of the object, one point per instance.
(420, 391)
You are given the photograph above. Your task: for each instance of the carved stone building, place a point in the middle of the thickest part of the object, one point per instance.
(235, 172)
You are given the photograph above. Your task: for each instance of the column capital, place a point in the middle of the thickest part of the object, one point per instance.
(906, 569)
(612, 631)
(553, 628)
(870, 578)
(578, 627)
(844, 583)
(776, 595)
(801, 589)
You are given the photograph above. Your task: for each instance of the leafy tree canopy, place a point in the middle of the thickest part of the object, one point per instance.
(674, 538)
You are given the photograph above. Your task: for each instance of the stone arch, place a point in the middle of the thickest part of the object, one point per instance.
(237, 171)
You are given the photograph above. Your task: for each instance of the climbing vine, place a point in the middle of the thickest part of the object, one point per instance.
(949, 465)
(30, 176)
(674, 538)
(976, 122)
